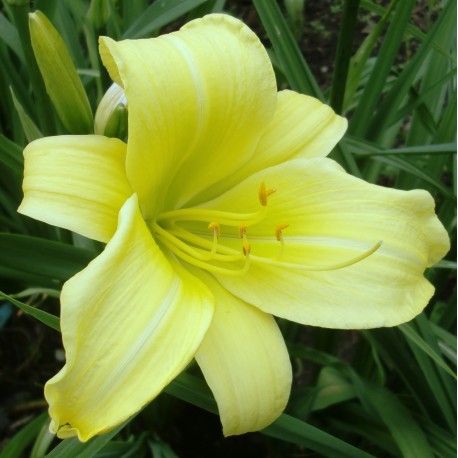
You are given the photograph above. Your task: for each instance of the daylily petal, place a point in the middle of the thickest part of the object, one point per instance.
(302, 127)
(333, 218)
(245, 362)
(76, 182)
(130, 322)
(199, 100)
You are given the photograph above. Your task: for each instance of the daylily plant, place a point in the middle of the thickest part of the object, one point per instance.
(220, 211)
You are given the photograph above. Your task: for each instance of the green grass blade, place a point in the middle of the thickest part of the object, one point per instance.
(343, 54)
(74, 448)
(47, 318)
(446, 342)
(364, 148)
(386, 113)
(292, 430)
(359, 60)
(16, 446)
(415, 170)
(287, 428)
(413, 336)
(292, 62)
(11, 155)
(24, 256)
(131, 11)
(362, 117)
(408, 435)
(30, 129)
(159, 14)
(410, 29)
(396, 354)
(10, 36)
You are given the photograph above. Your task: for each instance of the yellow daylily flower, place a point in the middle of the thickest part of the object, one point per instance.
(219, 212)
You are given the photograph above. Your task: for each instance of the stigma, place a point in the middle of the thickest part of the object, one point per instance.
(218, 241)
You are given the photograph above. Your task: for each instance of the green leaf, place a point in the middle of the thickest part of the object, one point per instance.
(417, 171)
(15, 448)
(292, 62)
(10, 36)
(74, 448)
(30, 129)
(333, 388)
(359, 60)
(24, 257)
(408, 435)
(362, 117)
(413, 336)
(11, 155)
(343, 54)
(292, 430)
(386, 113)
(159, 14)
(47, 318)
(287, 428)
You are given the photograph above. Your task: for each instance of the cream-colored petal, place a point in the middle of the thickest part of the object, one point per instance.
(245, 362)
(131, 322)
(76, 182)
(302, 127)
(199, 100)
(333, 218)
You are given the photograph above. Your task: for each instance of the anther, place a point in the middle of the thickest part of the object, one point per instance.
(246, 247)
(216, 228)
(279, 231)
(264, 193)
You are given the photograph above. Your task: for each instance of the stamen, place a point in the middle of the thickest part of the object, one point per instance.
(206, 215)
(264, 193)
(223, 253)
(216, 228)
(279, 236)
(279, 231)
(191, 259)
(173, 241)
(245, 245)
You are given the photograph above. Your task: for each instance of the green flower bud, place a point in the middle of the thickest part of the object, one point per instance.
(98, 13)
(111, 115)
(59, 74)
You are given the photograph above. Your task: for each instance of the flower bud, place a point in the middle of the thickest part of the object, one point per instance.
(59, 74)
(111, 115)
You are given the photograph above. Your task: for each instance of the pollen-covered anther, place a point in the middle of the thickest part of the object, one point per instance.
(246, 247)
(279, 231)
(215, 228)
(264, 193)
